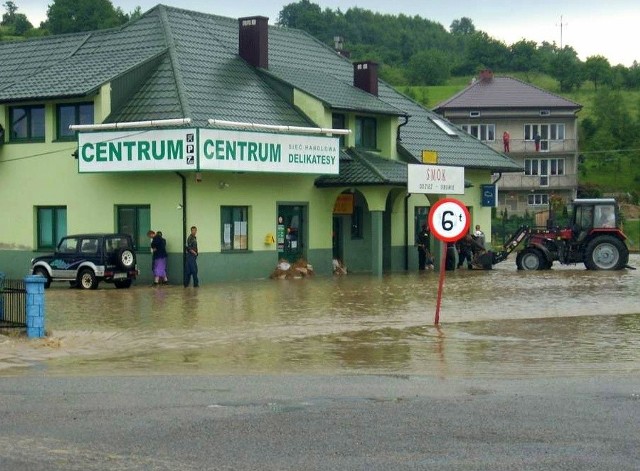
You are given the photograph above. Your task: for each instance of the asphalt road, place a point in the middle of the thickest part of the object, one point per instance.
(338, 422)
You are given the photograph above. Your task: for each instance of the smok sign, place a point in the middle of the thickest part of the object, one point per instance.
(435, 179)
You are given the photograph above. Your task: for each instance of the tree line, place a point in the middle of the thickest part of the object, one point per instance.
(418, 51)
(64, 16)
(411, 50)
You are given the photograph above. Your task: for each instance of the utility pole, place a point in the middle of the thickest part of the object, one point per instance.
(561, 26)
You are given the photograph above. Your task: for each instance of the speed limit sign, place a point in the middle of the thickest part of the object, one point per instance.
(449, 220)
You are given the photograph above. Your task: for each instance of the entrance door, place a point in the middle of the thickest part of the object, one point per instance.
(291, 232)
(337, 238)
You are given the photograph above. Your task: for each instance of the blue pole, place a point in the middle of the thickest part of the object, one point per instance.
(35, 305)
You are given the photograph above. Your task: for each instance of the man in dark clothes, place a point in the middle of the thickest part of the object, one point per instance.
(424, 243)
(465, 251)
(191, 264)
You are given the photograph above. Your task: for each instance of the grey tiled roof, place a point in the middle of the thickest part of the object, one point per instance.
(204, 77)
(421, 133)
(333, 91)
(365, 168)
(505, 92)
(75, 64)
(191, 68)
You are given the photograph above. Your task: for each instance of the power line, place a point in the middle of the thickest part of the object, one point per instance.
(73, 149)
(608, 151)
(24, 157)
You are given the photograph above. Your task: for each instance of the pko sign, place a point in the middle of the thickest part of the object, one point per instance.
(435, 179)
(206, 149)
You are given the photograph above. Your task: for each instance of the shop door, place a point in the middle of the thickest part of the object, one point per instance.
(291, 232)
(337, 238)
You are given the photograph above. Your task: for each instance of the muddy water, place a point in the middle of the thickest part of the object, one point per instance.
(565, 321)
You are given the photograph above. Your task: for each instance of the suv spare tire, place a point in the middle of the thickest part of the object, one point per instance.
(126, 259)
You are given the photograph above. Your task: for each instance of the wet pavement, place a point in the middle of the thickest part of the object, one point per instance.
(501, 323)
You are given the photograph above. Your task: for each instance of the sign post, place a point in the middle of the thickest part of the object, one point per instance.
(449, 221)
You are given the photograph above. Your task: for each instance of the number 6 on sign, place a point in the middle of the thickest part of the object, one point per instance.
(449, 220)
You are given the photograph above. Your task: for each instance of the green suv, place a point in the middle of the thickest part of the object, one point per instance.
(85, 260)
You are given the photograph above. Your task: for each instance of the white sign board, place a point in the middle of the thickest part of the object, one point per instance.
(127, 151)
(435, 179)
(206, 149)
(242, 151)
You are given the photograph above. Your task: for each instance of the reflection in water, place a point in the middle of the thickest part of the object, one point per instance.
(502, 322)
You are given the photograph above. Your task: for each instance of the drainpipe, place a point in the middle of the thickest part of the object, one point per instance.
(498, 179)
(184, 220)
(406, 232)
(406, 120)
(406, 207)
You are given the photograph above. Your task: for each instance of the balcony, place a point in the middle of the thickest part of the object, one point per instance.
(519, 181)
(521, 146)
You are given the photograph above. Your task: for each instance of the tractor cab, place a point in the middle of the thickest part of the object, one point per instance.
(593, 215)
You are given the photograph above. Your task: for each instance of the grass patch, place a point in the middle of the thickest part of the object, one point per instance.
(632, 231)
(610, 172)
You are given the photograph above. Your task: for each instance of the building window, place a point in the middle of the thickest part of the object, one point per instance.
(339, 121)
(483, 132)
(356, 223)
(52, 226)
(366, 132)
(538, 199)
(548, 132)
(544, 166)
(72, 113)
(235, 227)
(135, 221)
(27, 123)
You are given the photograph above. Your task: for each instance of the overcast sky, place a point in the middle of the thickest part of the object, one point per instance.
(592, 27)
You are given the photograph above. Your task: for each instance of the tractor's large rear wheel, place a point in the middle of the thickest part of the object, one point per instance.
(531, 259)
(606, 253)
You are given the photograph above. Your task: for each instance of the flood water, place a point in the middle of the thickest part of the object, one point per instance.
(499, 323)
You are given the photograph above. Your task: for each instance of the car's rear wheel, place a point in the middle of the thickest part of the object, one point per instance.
(87, 279)
(122, 283)
(42, 272)
(126, 259)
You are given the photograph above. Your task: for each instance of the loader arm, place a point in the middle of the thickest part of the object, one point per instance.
(511, 244)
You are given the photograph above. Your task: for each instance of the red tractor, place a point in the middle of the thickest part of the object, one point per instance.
(594, 238)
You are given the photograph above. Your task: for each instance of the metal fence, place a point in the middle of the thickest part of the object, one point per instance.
(13, 304)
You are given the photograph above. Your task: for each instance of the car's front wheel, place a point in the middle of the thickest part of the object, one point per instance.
(42, 272)
(87, 279)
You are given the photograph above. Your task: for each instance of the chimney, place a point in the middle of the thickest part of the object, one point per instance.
(338, 44)
(254, 40)
(365, 76)
(486, 75)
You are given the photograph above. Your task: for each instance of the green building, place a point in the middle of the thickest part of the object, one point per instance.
(248, 155)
